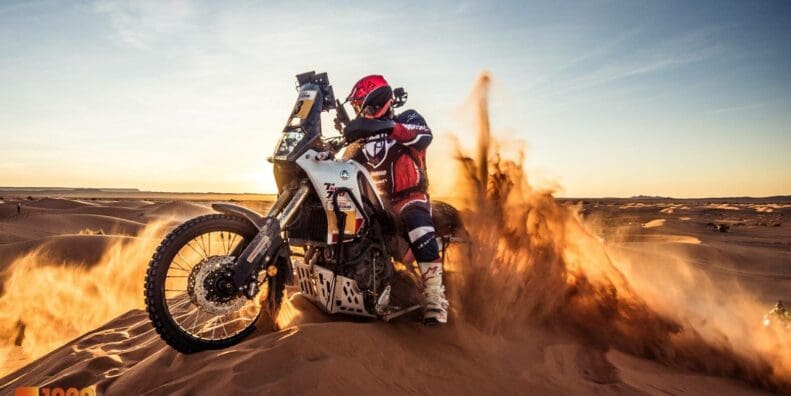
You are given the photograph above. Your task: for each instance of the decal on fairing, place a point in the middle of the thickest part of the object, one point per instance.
(304, 104)
(324, 174)
(329, 189)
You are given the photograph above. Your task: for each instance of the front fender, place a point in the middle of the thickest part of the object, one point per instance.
(257, 220)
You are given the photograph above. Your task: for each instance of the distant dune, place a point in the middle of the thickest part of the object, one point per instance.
(123, 194)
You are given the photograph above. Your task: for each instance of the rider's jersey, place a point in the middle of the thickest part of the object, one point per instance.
(397, 160)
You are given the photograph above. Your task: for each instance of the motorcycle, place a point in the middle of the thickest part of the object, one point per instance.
(329, 237)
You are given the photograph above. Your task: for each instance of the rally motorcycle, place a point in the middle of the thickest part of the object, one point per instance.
(329, 237)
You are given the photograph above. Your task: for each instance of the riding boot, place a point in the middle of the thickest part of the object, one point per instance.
(436, 308)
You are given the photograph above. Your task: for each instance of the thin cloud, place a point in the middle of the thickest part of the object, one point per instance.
(140, 24)
(608, 64)
(737, 108)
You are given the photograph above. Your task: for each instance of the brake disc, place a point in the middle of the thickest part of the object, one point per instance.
(203, 281)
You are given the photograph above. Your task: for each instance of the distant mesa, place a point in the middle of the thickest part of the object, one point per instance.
(649, 197)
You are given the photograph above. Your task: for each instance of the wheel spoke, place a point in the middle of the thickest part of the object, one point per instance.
(201, 244)
(195, 323)
(185, 261)
(186, 314)
(230, 244)
(179, 266)
(189, 244)
(205, 325)
(213, 328)
(224, 331)
(179, 304)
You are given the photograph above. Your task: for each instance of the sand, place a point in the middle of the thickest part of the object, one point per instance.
(320, 355)
(126, 357)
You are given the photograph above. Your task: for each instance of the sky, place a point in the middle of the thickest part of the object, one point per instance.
(611, 98)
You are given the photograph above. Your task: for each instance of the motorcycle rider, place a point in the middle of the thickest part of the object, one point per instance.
(394, 151)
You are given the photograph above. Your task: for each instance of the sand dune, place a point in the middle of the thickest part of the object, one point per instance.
(654, 223)
(179, 209)
(131, 214)
(722, 207)
(358, 358)
(315, 354)
(57, 203)
(73, 223)
(65, 231)
(131, 204)
(657, 239)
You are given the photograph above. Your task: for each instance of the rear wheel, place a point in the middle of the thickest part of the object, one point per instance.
(189, 291)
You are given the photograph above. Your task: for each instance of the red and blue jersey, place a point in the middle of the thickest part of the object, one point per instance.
(394, 152)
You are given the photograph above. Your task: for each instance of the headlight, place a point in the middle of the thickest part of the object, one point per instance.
(288, 142)
(767, 322)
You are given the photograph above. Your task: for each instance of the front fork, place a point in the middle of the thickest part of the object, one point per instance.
(267, 245)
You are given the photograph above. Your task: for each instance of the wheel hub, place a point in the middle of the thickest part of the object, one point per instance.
(211, 286)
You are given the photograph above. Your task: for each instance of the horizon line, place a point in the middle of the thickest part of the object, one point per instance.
(10, 189)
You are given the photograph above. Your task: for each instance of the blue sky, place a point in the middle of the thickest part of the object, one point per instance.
(611, 98)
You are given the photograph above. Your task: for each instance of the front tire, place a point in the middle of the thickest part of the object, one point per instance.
(172, 315)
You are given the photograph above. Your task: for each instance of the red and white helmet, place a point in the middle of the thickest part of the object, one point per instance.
(371, 97)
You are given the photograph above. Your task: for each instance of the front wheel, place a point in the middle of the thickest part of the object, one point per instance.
(189, 291)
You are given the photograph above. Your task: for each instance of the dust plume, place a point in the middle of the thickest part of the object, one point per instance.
(535, 261)
(45, 304)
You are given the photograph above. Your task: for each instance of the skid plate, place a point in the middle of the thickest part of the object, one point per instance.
(332, 293)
